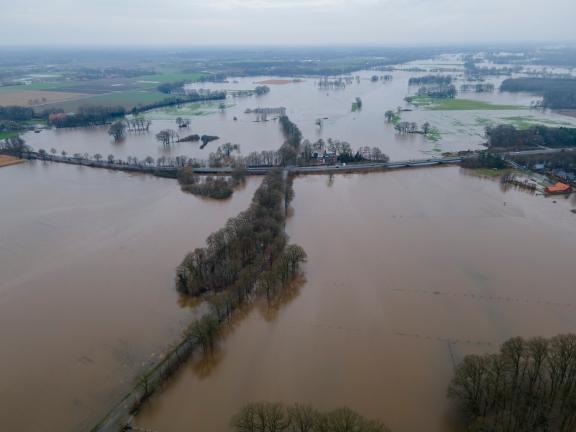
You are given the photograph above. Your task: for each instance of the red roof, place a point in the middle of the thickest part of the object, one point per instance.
(558, 187)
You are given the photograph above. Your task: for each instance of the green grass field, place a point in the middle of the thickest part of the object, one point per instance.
(4, 135)
(524, 122)
(171, 77)
(457, 104)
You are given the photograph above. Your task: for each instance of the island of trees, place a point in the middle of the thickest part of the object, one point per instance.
(250, 249)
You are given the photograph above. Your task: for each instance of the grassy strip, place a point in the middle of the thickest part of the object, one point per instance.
(435, 104)
(8, 134)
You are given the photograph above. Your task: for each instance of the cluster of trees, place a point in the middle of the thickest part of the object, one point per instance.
(376, 78)
(212, 187)
(237, 255)
(484, 160)
(478, 88)
(16, 113)
(224, 156)
(338, 83)
(182, 123)
(14, 146)
(476, 71)
(509, 137)
(193, 96)
(557, 93)
(169, 136)
(89, 115)
(136, 124)
(321, 151)
(405, 127)
(392, 116)
(290, 150)
(176, 87)
(261, 90)
(530, 385)
(275, 417)
(189, 138)
(439, 91)
(440, 80)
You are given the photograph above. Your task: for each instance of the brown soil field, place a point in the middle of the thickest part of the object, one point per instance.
(36, 97)
(9, 160)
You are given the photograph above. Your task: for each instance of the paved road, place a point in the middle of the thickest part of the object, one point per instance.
(338, 167)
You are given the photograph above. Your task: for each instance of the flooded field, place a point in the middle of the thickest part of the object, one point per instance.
(306, 103)
(407, 272)
(87, 298)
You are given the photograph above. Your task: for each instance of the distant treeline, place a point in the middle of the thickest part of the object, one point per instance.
(557, 93)
(181, 99)
(89, 115)
(246, 249)
(530, 385)
(438, 91)
(506, 136)
(93, 115)
(477, 88)
(431, 79)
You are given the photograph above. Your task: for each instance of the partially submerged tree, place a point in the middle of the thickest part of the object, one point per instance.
(117, 130)
(275, 417)
(530, 385)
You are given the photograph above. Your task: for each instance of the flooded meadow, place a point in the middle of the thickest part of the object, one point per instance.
(87, 298)
(307, 103)
(407, 272)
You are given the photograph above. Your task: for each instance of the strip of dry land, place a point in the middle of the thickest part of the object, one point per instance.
(279, 81)
(9, 160)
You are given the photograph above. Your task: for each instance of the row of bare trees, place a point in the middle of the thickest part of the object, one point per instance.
(239, 253)
(275, 417)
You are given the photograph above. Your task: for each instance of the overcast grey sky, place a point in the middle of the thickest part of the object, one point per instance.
(204, 22)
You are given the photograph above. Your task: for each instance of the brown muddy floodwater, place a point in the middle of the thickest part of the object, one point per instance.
(87, 262)
(408, 272)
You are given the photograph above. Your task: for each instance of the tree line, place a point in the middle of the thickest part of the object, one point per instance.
(238, 254)
(478, 88)
(558, 93)
(276, 417)
(438, 91)
(290, 150)
(509, 137)
(442, 80)
(529, 386)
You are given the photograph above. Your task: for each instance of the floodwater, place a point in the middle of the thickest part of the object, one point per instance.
(306, 103)
(87, 298)
(407, 272)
